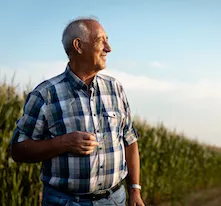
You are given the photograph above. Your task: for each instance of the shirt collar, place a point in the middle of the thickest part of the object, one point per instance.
(77, 82)
(94, 83)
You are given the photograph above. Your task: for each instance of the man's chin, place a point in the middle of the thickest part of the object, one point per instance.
(101, 67)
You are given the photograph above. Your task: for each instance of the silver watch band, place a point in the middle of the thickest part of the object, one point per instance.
(136, 186)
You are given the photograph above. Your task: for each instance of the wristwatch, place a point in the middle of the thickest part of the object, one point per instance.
(135, 186)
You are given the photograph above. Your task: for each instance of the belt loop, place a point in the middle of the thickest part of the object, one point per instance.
(77, 198)
(108, 193)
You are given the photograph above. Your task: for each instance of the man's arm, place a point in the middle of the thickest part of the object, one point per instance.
(31, 151)
(133, 164)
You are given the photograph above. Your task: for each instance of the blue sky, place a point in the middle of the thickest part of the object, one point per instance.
(169, 50)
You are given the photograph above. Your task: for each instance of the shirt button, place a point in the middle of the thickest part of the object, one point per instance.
(94, 114)
(99, 184)
(101, 166)
(100, 148)
(97, 131)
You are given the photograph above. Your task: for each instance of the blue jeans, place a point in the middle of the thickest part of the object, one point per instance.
(52, 197)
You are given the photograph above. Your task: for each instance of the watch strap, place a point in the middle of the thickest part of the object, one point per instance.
(135, 186)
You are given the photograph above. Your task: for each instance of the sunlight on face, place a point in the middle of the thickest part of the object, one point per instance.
(98, 47)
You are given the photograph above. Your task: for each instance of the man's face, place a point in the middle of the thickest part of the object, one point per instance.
(95, 51)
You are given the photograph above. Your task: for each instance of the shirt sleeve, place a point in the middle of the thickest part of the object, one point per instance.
(31, 125)
(130, 134)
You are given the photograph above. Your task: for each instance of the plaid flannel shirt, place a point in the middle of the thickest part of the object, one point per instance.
(62, 105)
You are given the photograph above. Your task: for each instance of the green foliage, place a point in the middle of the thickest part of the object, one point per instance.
(171, 165)
(20, 183)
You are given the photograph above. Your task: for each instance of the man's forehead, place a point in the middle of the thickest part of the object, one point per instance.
(98, 33)
(96, 29)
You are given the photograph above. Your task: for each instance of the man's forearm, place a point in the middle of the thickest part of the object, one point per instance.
(32, 151)
(133, 164)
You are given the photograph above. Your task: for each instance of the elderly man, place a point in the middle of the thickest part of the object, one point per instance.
(78, 124)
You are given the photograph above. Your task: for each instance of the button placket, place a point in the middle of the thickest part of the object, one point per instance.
(98, 137)
(93, 112)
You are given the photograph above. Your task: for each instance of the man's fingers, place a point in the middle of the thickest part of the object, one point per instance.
(83, 151)
(87, 148)
(89, 136)
(86, 152)
(90, 143)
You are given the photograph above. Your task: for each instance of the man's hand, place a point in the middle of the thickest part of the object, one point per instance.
(79, 142)
(135, 198)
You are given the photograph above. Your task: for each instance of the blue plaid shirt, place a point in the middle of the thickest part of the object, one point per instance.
(62, 105)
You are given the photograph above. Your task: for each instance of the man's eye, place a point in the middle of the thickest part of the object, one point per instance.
(98, 41)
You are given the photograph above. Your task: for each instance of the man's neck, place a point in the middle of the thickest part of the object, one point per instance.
(82, 72)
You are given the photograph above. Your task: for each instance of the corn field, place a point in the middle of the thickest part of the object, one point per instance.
(20, 184)
(171, 165)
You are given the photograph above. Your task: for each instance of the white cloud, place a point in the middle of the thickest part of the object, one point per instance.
(139, 82)
(32, 73)
(202, 89)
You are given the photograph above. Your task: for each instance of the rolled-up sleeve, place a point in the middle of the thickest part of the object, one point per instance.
(130, 134)
(32, 124)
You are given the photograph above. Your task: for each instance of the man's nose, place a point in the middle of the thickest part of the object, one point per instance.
(107, 47)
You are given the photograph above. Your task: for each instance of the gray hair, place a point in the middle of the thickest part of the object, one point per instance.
(75, 29)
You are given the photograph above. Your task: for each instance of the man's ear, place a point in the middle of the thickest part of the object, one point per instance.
(77, 45)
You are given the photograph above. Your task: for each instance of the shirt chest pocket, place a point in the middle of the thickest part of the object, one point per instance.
(114, 122)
